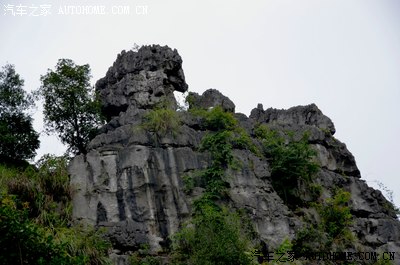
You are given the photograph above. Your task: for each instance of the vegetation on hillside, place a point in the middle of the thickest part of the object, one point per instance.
(36, 226)
(35, 218)
(215, 234)
(293, 169)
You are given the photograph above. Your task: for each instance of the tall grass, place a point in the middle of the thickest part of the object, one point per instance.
(35, 203)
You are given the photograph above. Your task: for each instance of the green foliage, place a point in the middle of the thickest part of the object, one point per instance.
(194, 179)
(143, 257)
(220, 147)
(46, 189)
(219, 120)
(214, 237)
(315, 191)
(281, 252)
(336, 216)
(13, 98)
(35, 218)
(218, 142)
(188, 183)
(70, 106)
(310, 239)
(215, 119)
(333, 230)
(381, 261)
(292, 167)
(18, 139)
(86, 242)
(284, 247)
(25, 242)
(53, 175)
(161, 121)
(242, 140)
(136, 259)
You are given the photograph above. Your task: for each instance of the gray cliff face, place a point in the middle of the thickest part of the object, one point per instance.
(133, 186)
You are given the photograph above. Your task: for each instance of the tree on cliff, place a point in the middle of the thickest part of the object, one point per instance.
(70, 106)
(18, 139)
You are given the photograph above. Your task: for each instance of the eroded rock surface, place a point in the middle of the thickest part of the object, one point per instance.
(132, 184)
(141, 79)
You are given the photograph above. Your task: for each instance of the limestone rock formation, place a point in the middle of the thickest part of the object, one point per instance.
(132, 185)
(211, 98)
(141, 79)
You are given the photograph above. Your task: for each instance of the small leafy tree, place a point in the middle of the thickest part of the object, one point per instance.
(18, 139)
(292, 165)
(336, 216)
(70, 108)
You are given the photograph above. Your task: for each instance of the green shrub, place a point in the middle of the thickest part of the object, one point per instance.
(162, 121)
(84, 241)
(333, 232)
(284, 247)
(214, 237)
(143, 257)
(188, 183)
(53, 175)
(136, 259)
(45, 187)
(242, 140)
(381, 261)
(218, 144)
(215, 119)
(23, 241)
(291, 162)
(309, 240)
(219, 120)
(336, 216)
(224, 134)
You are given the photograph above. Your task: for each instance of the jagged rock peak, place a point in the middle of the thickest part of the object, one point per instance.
(210, 98)
(300, 115)
(141, 79)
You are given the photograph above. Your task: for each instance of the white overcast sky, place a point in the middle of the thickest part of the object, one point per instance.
(343, 55)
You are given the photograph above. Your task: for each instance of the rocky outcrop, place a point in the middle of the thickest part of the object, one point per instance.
(141, 79)
(210, 98)
(333, 154)
(132, 185)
